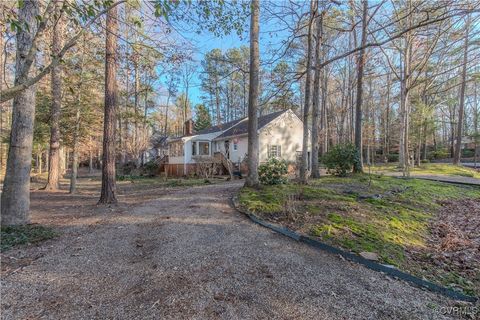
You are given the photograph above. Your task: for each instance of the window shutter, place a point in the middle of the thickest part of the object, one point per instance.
(279, 151)
(268, 151)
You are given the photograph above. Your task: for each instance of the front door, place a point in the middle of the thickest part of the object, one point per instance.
(227, 149)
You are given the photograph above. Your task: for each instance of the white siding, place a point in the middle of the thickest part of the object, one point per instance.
(285, 131)
(187, 143)
(239, 155)
(242, 147)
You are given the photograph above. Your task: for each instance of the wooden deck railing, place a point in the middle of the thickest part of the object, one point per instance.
(227, 163)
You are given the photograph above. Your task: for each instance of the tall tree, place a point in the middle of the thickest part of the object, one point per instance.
(358, 105)
(461, 110)
(252, 161)
(76, 134)
(108, 192)
(211, 76)
(16, 186)
(308, 94)
(56, 85)
(317, 97)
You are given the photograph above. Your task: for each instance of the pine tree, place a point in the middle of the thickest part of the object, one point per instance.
(108, 191)
(203, 119)
(253, 93)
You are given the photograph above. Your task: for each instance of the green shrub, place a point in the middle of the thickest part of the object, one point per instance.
(128, 168)
(438, 154)
(16, 235)
(392, 157)
(341, 159)
(468, 153)
(273, 172)
(424, 161)
(151, 168)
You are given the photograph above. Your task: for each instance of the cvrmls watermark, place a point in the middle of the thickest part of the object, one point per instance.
(459, 311)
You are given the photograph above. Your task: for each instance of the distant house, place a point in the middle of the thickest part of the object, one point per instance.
(280, 136)
(468, 142)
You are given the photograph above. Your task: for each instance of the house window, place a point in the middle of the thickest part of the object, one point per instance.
(274, 151)
(204, 148)
(176, 149)
(235, 146)
(298, 155)
(194, 148)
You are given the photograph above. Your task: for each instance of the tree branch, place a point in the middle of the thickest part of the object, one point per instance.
(11, 92)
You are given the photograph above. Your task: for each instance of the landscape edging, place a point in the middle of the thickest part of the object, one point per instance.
(391, 271)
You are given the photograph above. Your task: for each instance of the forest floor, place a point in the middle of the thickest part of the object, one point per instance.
(184, 252)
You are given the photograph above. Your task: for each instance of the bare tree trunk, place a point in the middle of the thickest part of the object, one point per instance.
(185, 105)
(137, 101)
(475, 126)
(424, 143)
(90, 158)
(73, 177)
(108, 169)
(458, 147)
(39, 162)
(244, 78)
(252, 160)
(405, 86)
(123, 154)
(166, 113)
(217, 99)
(324, 112)
(316, 95)
(63, 160)
(405, 137)
(144, 127)
(308, 95)
(358, 106)
(386, 141)
(16, 186)
(54, 163)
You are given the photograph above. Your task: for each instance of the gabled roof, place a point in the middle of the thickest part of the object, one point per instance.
(220, 127)
(235, 127)
(242, 126)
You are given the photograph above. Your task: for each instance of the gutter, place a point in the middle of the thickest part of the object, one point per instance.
(230, 137)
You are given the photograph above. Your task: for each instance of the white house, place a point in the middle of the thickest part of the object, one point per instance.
(280, 135)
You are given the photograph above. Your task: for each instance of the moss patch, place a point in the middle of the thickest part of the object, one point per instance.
(31, 233)
(431, 169)
(381, 214)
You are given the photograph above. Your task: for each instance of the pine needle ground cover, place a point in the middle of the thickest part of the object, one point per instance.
(426, 228)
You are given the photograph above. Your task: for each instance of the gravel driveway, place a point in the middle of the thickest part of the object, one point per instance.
(188, 255)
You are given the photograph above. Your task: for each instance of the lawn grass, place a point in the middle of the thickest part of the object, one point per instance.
(429, 169)
(380, 214)
(11, 236)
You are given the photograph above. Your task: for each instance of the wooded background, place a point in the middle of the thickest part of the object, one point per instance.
(399, 79)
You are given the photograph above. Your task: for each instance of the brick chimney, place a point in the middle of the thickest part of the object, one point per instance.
(189, 127)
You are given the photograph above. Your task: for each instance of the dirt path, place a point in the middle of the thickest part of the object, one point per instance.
(185, 253)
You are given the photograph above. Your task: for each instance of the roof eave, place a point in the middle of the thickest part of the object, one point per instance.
(232, 136)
